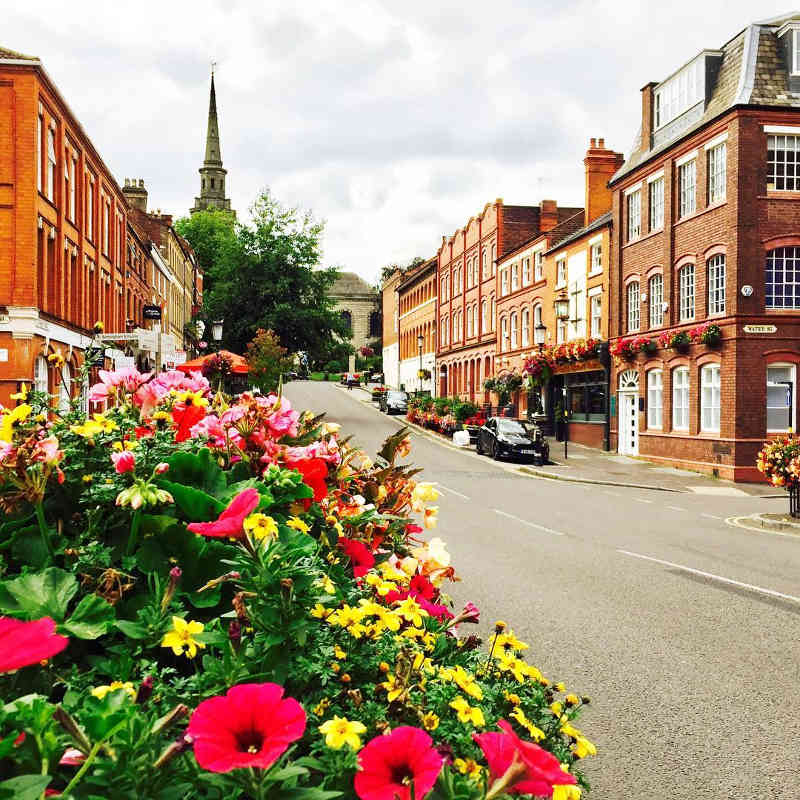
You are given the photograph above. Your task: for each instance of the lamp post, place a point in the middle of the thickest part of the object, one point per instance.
(540, 331)
(420, 342)
(561, 305)
(216, 331)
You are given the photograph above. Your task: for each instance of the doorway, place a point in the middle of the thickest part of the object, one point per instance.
(629, 413)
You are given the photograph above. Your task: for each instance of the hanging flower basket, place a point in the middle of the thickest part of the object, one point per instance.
(624, 348)
(709, 335)
(679, 341)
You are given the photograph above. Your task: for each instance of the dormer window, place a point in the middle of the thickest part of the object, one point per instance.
(789, 36)
(679, 93)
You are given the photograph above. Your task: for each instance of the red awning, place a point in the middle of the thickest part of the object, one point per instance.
(239, 363)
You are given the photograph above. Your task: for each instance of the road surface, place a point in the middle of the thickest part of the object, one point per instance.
(682, 629)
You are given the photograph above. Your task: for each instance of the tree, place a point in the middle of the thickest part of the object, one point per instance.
(264, 277)
(267, 361)
(211, 234)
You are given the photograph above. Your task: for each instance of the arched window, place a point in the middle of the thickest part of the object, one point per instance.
(484, 316)
(485, 264)
(716, 284)
(526, 327)
(348, 319)
(656, 301)
(680, 399)
(538, 329)
(686, 292)
(375, 323)
(709, 398)
(633, 306)
(65, 388)
(504, 334)
(469, 320)
(514, 339)
(782, 277)
(494, 313)
(655, 398)
(40, 382)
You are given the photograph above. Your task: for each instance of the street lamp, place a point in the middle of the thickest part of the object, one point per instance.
(216, 330)
(420, 342)
(539, 333)
(561, 305)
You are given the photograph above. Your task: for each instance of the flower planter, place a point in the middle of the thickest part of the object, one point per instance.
(712, 340)
(681, 347)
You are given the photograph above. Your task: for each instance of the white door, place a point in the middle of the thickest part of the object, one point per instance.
(629, 423)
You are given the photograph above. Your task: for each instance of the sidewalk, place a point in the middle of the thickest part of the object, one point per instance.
(588, 465)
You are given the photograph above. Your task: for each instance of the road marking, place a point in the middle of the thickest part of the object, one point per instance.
(711, 516)
(729, 581)
(675, 508)
(529, 524)
(641, 500)
(452, 491)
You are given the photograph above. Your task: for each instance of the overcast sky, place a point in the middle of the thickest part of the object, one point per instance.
(392, 121)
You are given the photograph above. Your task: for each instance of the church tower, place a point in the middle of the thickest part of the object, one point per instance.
(212, 173)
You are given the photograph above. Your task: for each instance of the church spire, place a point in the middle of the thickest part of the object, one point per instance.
(212, 173)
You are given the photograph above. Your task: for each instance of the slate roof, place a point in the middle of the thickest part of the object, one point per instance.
(13, 54)
(752, 72)
(600, 222)
(349, 285)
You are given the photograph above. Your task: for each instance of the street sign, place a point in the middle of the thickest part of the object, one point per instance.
(760, 329)
(124, 362)
(151, 312)
(148, 340)
(167, 345)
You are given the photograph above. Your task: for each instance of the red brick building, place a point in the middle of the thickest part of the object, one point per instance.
(416, 299)
(62, 232)
(706, 214)
(467, 294)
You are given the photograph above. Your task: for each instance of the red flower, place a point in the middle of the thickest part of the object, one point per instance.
(388, 765)
(230, 521)
(185, 417)
(24, 643)
(250, 726)
(421, 585)
(542, 772)
(124, 461)
(314, 472)
(360, 557)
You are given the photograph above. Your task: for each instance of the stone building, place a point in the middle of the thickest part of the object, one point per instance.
(359, 304)
(212, 173)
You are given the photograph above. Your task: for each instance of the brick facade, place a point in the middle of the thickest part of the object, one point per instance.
(417, 317)
(391, 329)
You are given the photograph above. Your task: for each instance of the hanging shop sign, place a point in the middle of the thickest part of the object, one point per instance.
(151, 312)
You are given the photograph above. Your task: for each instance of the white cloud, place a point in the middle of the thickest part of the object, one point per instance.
(394, 122)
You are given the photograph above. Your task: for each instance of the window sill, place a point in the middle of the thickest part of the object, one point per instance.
(699, 212)
(560, 286)
(779, 194)
(594, 274)
(642, 238)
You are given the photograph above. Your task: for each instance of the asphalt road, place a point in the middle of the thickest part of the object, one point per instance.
(681, 628)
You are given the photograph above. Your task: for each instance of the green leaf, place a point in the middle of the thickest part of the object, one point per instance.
(194, 505)
(133, 630)
(308, 794)
(41, 594)
(28, 547)
(24, 787)
(199, 470)
(92, 618)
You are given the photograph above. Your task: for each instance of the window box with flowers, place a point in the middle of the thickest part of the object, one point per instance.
(677, 340)
(644, 344)
(625, 349)
(709, 335)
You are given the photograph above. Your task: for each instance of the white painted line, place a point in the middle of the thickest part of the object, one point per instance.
(641, 500)
(529, 524)
(452, 491)
(711, 516)
(675, 508)
(729, 581)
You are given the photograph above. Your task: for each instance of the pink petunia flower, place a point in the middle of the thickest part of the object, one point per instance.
(24, 643)
(252, 725)
(124, 461)
(230, 521)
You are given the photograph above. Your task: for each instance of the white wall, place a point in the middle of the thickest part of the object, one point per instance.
(391, 365)
(409, 368)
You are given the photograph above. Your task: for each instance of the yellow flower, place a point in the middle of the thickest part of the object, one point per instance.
(512, 698)
(583, 747)
(56, 359)
(338, 652)
(467, 713)
(181, 637)
(572, 700)
(321, 707)
(563, 791)
(22, 394)
(99, 327)
(162, 416)
(101, 691)
(116, 446)
(430, 721)
(340, 731)
(430, 517)
(192, 398)
(297, 524)
(11, 420)
(260, 526)
(537, 734)
(319, 611)
(410, 611)
(131, 444)
(469, 767)
(512, 664)
(395, 688)
(556, 708)
(466, 682)
(507, 641)
(327, 584)
(87, 478)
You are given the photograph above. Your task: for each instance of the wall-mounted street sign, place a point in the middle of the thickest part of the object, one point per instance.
(760, 329)
(151, 312)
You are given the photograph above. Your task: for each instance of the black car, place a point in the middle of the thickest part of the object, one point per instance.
(501, 437)
(393, 402)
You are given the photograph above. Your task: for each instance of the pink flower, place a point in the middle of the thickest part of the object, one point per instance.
(24, 643)
(129, 378)
(542, 769)
(250, 726)
(72, 757)
(388, 765)
(470, 613)
(161, 468)
(124, 461)
(230, 521)
(47, 451)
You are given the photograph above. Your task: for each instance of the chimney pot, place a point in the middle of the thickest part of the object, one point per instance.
(601, 143)
(592, 142)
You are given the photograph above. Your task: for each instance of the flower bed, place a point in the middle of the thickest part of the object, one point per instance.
(216, 601)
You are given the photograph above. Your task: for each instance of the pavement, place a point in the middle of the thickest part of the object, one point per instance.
(679, 624)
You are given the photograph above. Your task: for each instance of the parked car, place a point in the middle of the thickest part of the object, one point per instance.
(502, 437)
(375, 386)
(393, 402)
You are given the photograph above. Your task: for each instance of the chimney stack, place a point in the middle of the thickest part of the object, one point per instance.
(135, 193)
(600, 165)
(648, 101)
(548, 215)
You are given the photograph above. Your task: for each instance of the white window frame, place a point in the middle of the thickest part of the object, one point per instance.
(525, 334)
(504, 283)
(680, 399)
(538, 336)
(655, 399)
(39, 149)
(90, 210)
(655, 191)
(791, 168)
(526, 271)
(634, 209)
(485, 266)
(717, 172)
(596, 312)
(596, 258)
(494, 313)
(514, 330)
(793, 383)
(64, 388)
(561, 332)
(687, 188)
(41, 379)
(504, 334)
(686, 293)
(538, 265)
(782, 261)
(710, 396)
(51, 164)
(634, 311)
(655, 294)
(515, 276)
(484, 316)
(715, 279)
(561, 272)
(469, 321)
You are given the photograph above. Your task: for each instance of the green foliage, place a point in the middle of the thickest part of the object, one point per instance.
(267, 361)
(212, 235)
